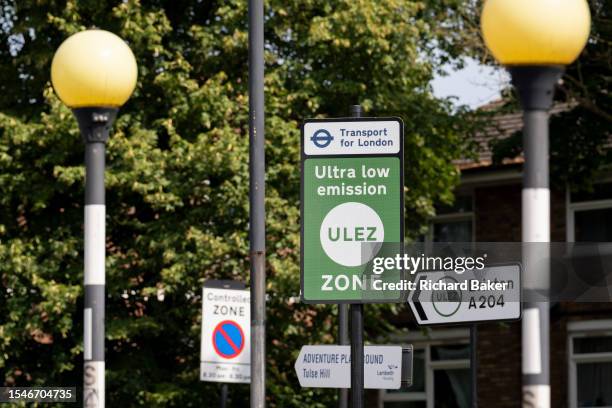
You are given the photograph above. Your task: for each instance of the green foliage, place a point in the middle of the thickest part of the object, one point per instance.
(580, 137)
(177, 179)
(580, 134)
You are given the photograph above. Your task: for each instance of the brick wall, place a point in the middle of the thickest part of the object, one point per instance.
(497, 214)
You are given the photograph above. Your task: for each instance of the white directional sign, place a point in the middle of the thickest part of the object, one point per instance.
(329, 366)
(493, 293)
(226, 333)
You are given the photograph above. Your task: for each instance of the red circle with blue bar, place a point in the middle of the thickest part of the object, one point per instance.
(228, 339)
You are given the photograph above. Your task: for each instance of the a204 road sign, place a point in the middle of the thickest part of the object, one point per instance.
(490, 294)
(351, 203)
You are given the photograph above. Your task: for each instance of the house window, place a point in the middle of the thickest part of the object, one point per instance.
(589, 215)
(453, 223)
(590, 365)
(441, 379)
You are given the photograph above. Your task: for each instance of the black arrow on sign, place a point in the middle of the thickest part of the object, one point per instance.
(417, 302)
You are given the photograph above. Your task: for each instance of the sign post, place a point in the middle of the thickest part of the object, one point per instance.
(352, 201)
(491, 294)
(474, 363)
(226, 333)
(343, 339)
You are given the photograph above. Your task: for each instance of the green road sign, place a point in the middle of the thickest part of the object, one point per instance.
(352, 203)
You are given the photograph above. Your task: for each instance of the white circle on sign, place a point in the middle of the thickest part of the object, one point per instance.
(345, 230)
(446, 302)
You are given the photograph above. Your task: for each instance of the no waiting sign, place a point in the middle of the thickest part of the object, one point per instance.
(226, 331)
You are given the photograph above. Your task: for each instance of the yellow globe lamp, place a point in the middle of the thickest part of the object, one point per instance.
(535, 32)
(94, 72)
(535, 39)
(94, 68)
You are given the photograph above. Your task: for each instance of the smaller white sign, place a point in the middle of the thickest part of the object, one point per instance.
(226, 336)
(329, 366)
(493, 293)
(351, 137)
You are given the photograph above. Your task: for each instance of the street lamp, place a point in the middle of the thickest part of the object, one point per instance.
(94, 72)
(535, 39)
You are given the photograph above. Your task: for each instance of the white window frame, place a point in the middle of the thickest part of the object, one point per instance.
(425, 341)
(584, 329)
(572, 208)
(449, 218)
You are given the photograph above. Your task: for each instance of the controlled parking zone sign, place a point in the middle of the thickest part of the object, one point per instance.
(351, 203)
(226, 319)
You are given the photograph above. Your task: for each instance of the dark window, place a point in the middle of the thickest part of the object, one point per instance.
(593, 225)
(456, 388)
(594, 384)
(600, 192)
(457, 231)
(596, 344)
(456, 352)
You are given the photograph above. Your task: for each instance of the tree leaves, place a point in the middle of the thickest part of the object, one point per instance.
(177, 179)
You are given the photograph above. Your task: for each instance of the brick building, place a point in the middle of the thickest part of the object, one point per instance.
(488, 208)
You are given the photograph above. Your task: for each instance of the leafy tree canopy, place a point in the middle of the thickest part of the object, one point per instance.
(177, 179)
(580, 134)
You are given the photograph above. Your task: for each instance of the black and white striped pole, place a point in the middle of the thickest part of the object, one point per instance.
(535, 86)
(94, 72)
(535, 39)
(94, 124)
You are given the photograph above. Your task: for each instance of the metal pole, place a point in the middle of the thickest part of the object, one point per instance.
(357, 355)
(535, 85)
(94, 124)
(223, 401)
(257, 205)
(356, 314)
(474, 363)
(343, 309)
(343, 339)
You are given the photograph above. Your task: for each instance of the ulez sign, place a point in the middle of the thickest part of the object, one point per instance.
(351, 203)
